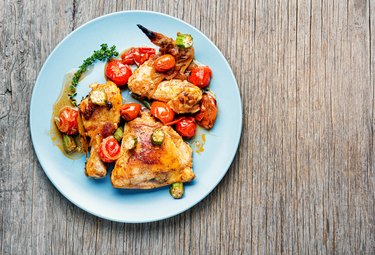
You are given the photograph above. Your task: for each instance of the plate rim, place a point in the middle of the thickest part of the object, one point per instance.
(167, 215)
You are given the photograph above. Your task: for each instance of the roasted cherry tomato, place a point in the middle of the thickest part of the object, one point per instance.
(109, 149)
(162, 111)
(130, 111)
(67, 122)
(200, 76)
(127, 56)
(186, 127)
(164, 63)
(206, 117)
(118, 72)
(137, 55)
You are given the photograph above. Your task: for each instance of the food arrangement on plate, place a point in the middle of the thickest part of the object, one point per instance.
(144, 142)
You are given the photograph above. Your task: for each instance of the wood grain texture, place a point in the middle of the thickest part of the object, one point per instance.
(303, 180)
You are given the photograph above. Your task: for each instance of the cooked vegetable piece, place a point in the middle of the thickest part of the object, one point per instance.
(119, 133)
(67, 122)
(200, 76)
(184, 40)
(68, 143)
(98, 97)
(102, 54)
(127, 57)
(164, 63)
(162, 111)
(130, 111)
(186, 127)
(118, 72)
(137, 55)
(130, 141)
(157, 137)
(177, 190)
(206, 117)
(109, 150)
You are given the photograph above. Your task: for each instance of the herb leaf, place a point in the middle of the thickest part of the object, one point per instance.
(103, 54)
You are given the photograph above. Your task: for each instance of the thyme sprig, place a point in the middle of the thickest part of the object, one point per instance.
(103, 54)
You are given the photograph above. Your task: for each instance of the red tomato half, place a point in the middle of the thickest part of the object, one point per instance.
(186, 127)
(67, 122)
(118, 72)
(137, 55)
(130, 111)
(109, 149)
(162, 111)
(200, 76)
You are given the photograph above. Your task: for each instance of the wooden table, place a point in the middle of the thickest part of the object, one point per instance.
(303, 180)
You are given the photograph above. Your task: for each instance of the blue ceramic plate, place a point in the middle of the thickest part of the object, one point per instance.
(98, 197)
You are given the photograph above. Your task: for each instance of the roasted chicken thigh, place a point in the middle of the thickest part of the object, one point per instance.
(99, 121)
(146, 165)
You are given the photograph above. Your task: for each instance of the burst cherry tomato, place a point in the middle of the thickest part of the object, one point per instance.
(162, 111)
(118, 72)
(206, 117)
(200, 76)
(109, 149)
(130, 111)
(164, 63)
(67, 122)
(186, 127)
(137, 55)
(127, 56)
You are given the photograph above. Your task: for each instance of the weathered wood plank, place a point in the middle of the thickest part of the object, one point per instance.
(303, 180)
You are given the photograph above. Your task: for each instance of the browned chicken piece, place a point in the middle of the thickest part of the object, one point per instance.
(145, 80)
(148, 166)
(183, 56)
(100, 119)
(181, 96)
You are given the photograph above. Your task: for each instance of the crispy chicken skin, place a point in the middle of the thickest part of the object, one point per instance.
(145, 80)
(100, 122)
(150, 166)
(182, 96)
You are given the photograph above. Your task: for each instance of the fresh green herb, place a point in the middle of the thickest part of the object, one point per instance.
(103, 54)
